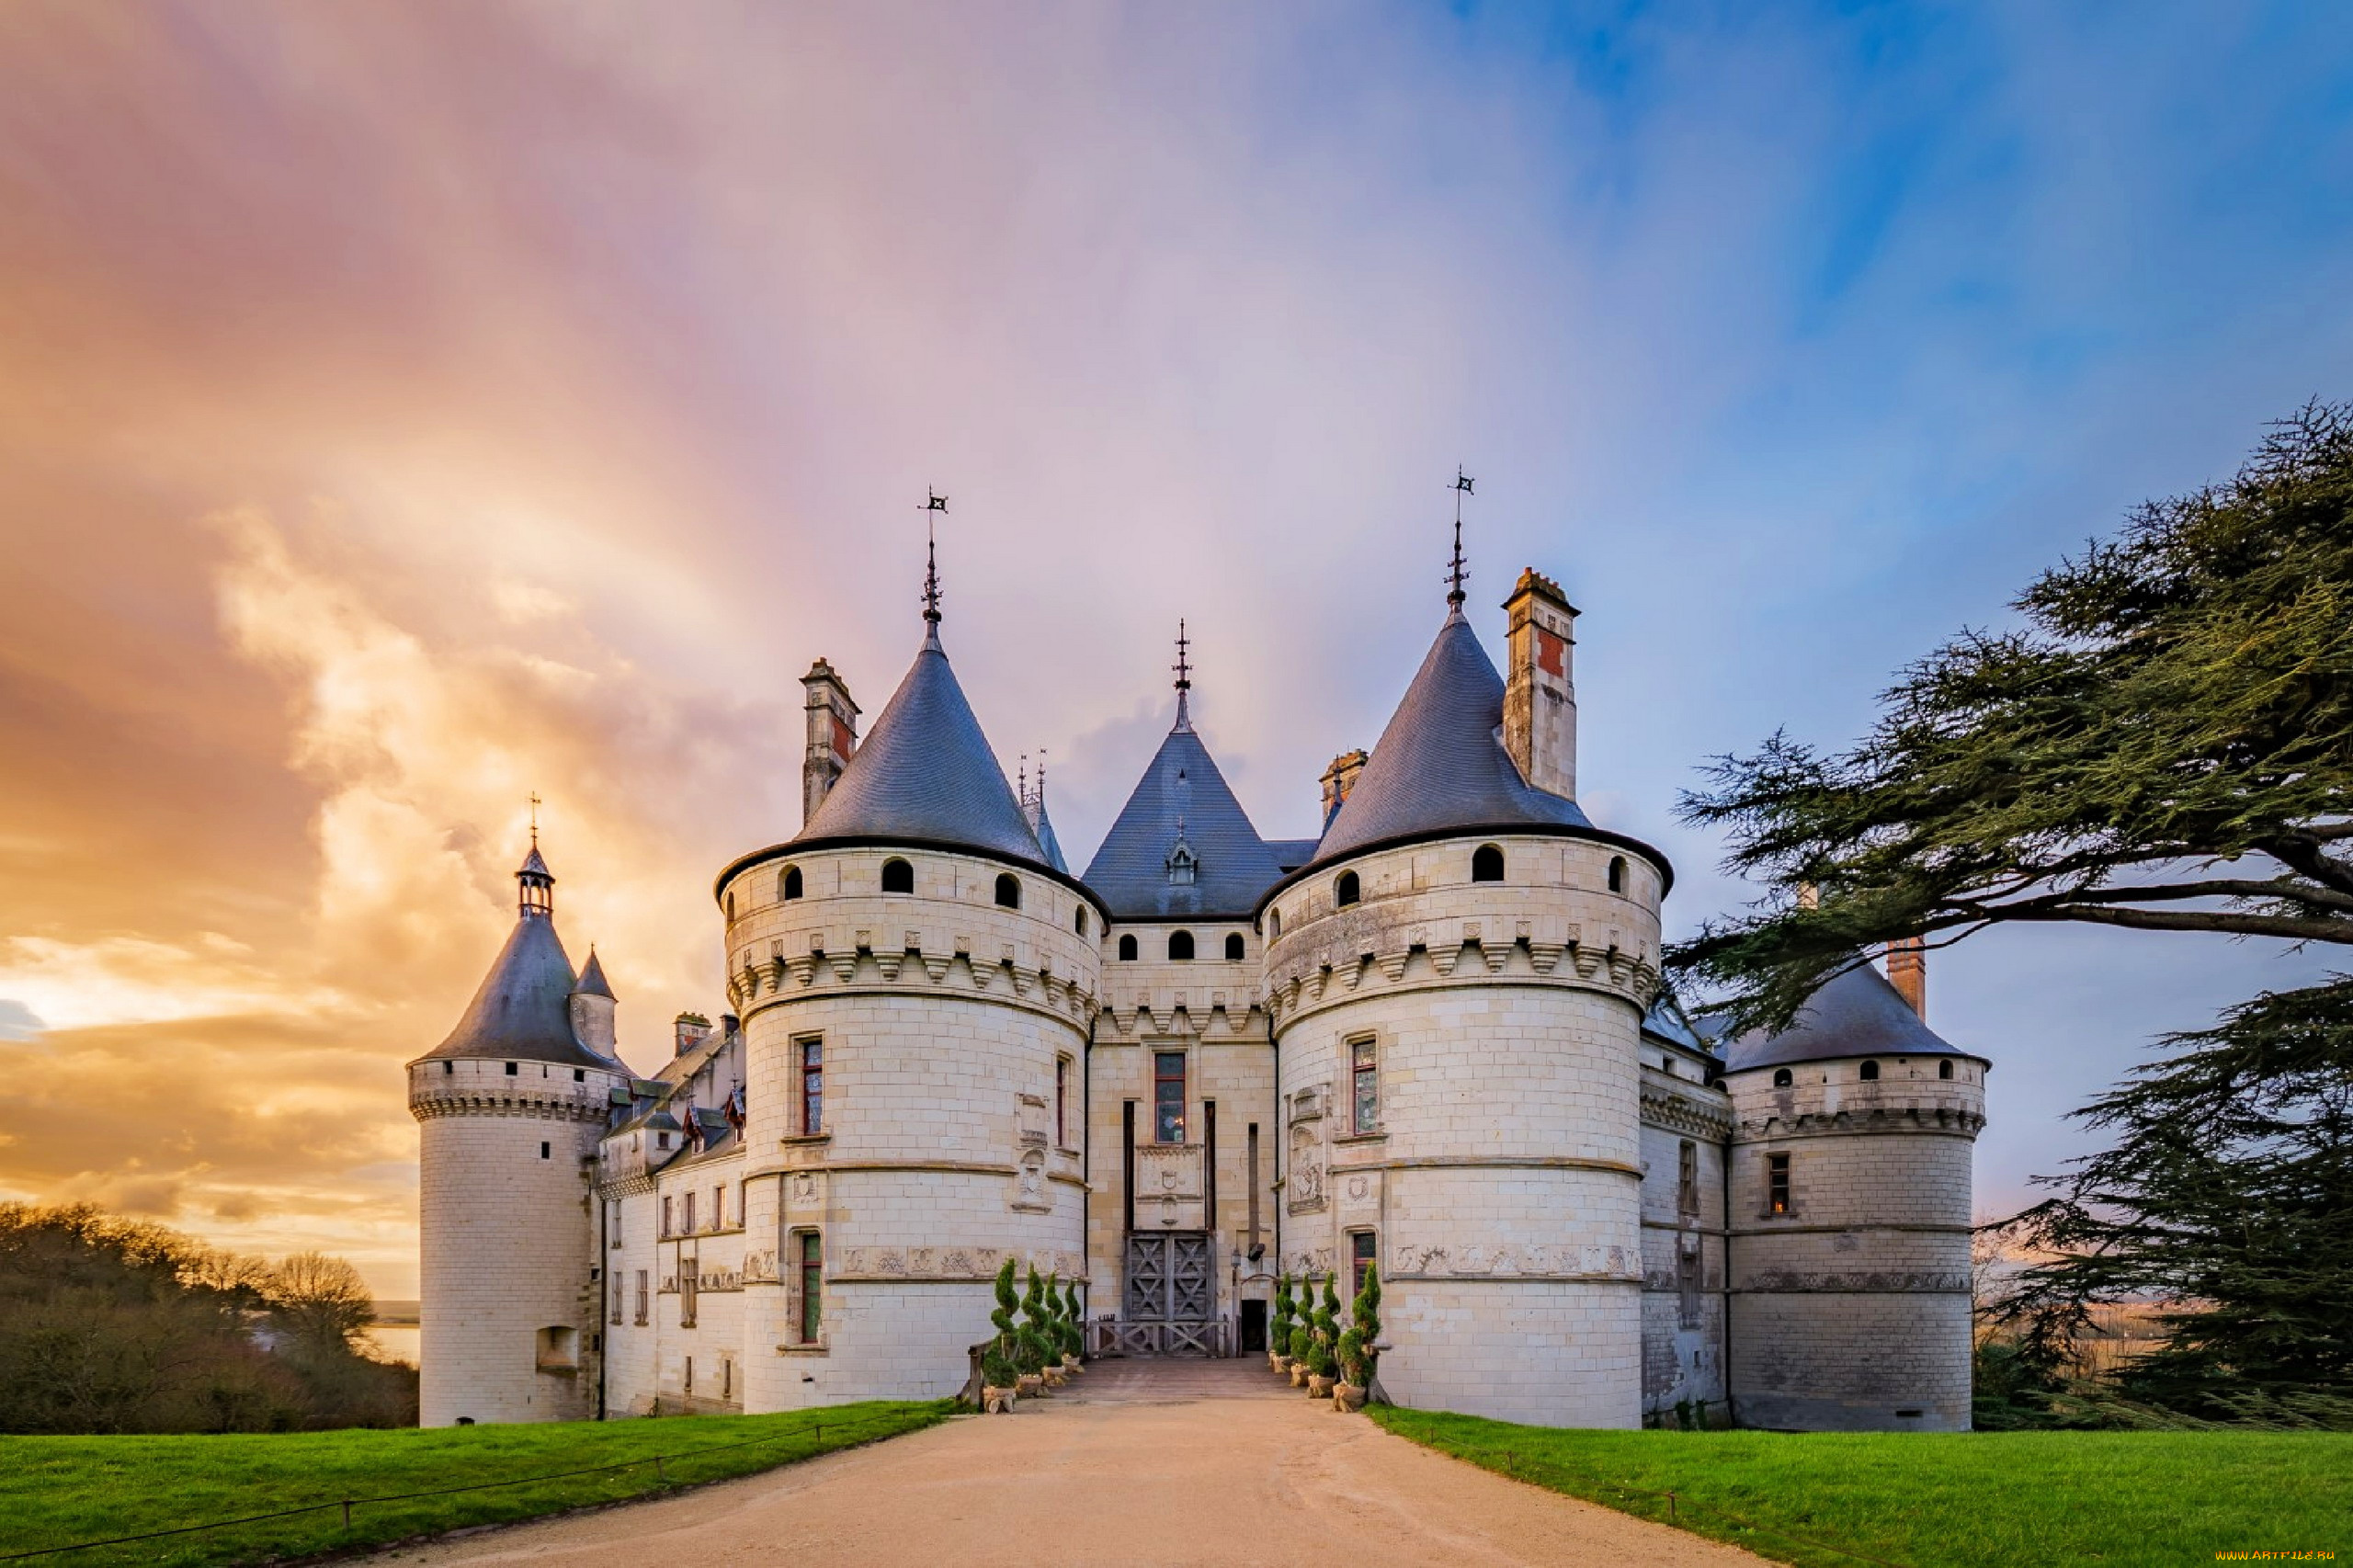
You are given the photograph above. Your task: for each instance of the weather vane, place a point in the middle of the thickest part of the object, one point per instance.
(535, 818)
(932, 507)
(1183, 666)
(1455, 573)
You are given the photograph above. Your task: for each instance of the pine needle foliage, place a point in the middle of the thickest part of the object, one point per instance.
(2164, 744)
(2227, 1186)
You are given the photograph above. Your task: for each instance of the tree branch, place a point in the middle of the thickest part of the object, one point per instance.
(2289, 927)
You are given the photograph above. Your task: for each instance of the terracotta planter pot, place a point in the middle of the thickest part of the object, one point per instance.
(1318, 1386)
(1029, 1383)
(1298, 1374)
(1347, 1396)
(995, 1401)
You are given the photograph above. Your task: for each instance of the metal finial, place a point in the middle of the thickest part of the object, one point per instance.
(535, 818)
(933, 506)
(1456, 575)
(1184, 668)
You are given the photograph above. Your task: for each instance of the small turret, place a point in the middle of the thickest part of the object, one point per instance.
(593, 1005)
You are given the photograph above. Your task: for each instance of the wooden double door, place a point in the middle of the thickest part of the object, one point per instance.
(1171, 1304)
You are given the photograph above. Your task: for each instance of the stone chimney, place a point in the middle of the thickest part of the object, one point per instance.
(693, 1029)
(833, 735)
(1338, 779)
(1539, 691)
(1907, 971)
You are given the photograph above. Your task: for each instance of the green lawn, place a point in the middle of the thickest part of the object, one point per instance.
(62, 1491)
(1968, 1500)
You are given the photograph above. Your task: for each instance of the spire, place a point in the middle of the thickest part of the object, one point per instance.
(1456, 575)
(534, 884)
(592, 980)
(1184, 668)
(933, 507)
(522, 1009)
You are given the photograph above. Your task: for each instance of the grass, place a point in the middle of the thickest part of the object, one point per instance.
(1966, 1500)
(62, 1491)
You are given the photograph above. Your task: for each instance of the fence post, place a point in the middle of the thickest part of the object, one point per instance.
(346, 1513)
(1670, 1507)
(658, 1476)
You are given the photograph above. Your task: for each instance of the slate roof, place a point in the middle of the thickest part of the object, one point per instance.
(523, 1011)
(1182, 786)
(1440, 764)
(1854, 1014)
(592, 978)
(925, 772)
(1290, 854)
(1044, 829)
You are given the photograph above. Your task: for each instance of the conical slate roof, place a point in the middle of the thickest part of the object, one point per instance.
(927, 772)
(1182, 788)
(1854, 1014)
(1048, 842)
(1440, 764)
(592, 978)
(523, 1012)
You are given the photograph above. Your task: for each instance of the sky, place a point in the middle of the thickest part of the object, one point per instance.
(406, 408)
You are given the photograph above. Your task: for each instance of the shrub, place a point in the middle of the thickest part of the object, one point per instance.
(1364, 1321)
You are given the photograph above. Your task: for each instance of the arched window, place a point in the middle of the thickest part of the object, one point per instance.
(1486, 864)
(1618, 873)
(1345, 891)
(1128, 949)
(1944, 1069)
(898, 877)
(790, 886)
(1180, 946)
(1870, 1072)
(1009, 890)
(1781, 1078)
(1274, 924)
(1080, 923)
(1234, 948)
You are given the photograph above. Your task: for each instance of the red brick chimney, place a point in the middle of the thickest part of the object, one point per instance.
(833, 735)
(1907, 971)
(1539, 688)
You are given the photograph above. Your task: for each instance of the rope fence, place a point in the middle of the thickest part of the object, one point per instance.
(1513, 1467)
(814, 1435)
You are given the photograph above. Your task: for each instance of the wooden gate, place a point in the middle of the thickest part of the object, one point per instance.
(1170, 1305)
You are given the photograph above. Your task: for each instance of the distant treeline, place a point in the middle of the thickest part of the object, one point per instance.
(109, 1325)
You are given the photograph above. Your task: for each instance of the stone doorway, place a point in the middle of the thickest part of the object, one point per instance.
(1170, 1305)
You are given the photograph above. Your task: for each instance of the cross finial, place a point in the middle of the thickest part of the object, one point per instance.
(1455, 574)
(932, 507)
(535, 818)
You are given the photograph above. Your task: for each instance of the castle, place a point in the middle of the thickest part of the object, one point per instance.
(1433, 1039)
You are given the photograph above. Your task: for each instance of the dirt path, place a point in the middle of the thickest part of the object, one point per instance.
(1156, 1462)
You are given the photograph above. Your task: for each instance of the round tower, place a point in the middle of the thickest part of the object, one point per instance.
(1457, 982)
(509, 1109)
(915, 982)
(1849, 1214)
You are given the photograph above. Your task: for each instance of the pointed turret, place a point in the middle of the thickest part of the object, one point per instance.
(523, 1009)
(925, 772)
(592, 1010)
(1440, 765)
(1182, 846)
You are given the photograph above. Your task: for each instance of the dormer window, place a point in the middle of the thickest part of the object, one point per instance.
(1184, 866)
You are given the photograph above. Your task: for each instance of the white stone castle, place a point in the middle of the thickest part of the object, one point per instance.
(1433, 1038)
